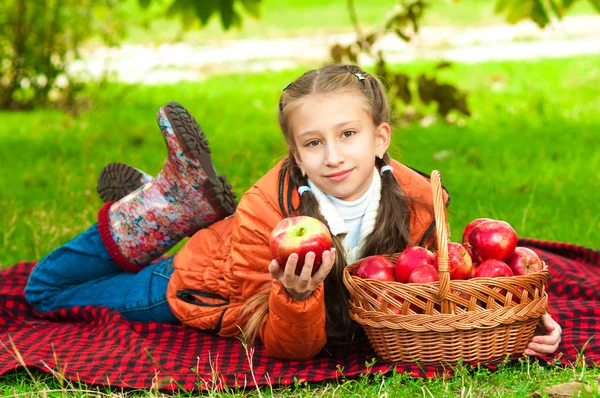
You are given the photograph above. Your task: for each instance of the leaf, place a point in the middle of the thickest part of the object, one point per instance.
(205, 10)
(177, 7)
(539, 14)
(370, 38)
(228, 14)
(596, 4)
(427, 88)
(253, 7)
(568, 3)
(144, 3)
(445, 91)
(557, 7)
(443, 65)
(337, 52)
(502, 5)
(462, 107)
(570, 389)
(403, 91)
(519, 11)
(185, 9)
(401, 35)
(381, 70)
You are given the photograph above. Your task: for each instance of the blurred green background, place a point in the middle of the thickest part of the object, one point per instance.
(528, 153)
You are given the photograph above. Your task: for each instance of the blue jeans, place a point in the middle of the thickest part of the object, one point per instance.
(82, 273)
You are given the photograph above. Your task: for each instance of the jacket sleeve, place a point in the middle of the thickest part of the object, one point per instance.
(292, 329)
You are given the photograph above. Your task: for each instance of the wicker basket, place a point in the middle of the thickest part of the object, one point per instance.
(475, 320)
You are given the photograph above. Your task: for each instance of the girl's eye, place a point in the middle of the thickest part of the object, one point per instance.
(348, 133)
(313, 143)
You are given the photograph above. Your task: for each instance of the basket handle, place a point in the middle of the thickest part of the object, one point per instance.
(441, 227)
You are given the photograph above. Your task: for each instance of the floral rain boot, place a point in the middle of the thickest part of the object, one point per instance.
(187, 195)
(117, 180)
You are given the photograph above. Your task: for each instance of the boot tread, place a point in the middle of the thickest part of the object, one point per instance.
(190, 136)
(118, 180)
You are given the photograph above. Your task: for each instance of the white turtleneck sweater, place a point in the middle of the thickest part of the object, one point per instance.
(354, 218)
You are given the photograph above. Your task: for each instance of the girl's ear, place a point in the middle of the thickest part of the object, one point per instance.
(296, 157)
(383, 136)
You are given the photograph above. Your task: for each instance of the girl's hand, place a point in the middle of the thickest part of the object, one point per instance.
(546, 339)
(300, 287)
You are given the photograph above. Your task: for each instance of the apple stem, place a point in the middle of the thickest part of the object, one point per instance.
(301, 232)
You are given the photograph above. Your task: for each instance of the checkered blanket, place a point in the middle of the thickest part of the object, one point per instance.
(98, 346)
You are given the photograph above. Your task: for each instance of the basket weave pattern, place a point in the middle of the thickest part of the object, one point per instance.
(474, 320)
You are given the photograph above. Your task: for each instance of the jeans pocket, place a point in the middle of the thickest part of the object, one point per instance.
(164, 268)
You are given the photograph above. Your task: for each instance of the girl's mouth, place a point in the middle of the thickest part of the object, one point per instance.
(340, 176)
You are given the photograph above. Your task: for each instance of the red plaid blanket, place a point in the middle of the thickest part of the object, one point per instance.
(98, 346)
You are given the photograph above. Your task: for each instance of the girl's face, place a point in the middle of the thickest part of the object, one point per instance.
(336, 142)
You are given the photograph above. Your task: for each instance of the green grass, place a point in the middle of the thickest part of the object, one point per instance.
(511, 379)
(285, 18)
(530, 155)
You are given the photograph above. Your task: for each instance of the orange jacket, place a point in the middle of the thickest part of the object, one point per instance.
(222, 266)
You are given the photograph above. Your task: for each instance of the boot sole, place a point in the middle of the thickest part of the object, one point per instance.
(195, 145)
(118, 180)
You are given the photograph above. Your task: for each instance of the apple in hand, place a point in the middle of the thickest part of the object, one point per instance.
(376, 267)
(424, 274)
(300, 235)
(493, 239)
(492, 268)
(460, 261)
(410, 259)
(469, 228)
(524, 261)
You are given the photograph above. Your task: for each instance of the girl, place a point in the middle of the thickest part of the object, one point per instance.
(335, 122)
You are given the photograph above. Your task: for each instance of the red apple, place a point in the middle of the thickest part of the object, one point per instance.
(424, 274)
(394, 309)
(524, 261)
(410, 259)
(469, 228)
(376, 267)
(493, 239)
(300, 235)
(474, 269)
(475, 264)
(493, 268)
(460, 261)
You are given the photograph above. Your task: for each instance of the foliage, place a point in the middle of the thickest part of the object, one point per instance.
(539, 11)
(39, 39)
(203, 10)
(404, 22)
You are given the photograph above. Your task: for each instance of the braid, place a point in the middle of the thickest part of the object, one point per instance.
(339, 324)
(392, 226)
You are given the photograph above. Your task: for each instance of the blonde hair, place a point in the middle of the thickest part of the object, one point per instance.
(392, 226)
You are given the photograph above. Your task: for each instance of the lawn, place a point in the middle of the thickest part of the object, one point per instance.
(530, 155)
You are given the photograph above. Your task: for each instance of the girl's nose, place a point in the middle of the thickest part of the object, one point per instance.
(334, 155)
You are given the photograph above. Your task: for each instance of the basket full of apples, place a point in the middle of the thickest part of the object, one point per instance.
(478, 301)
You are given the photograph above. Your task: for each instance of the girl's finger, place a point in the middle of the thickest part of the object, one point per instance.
(290, 269)
(545, 340)
(274, 269)
(542, 349)
(547, 321)
(327, 264)
(309, 262)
